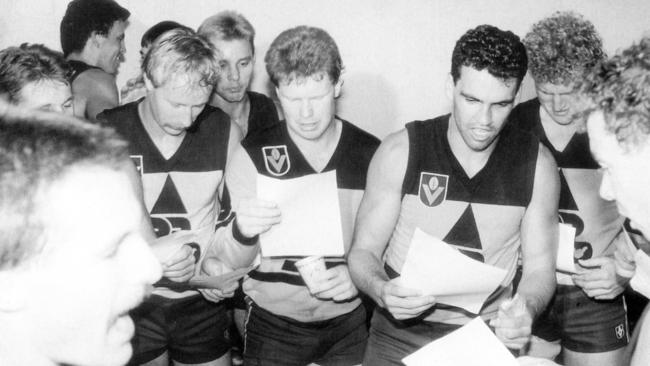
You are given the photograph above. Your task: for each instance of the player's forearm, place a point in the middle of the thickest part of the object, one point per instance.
(367, 273)
(537, 288)
(231, 249)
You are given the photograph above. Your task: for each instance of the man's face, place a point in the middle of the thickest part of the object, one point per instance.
(111, 48)
(236, 61)
(47, 95)
(626, 174)
(309, 105)
(177, 103)
(558, 101)
(95, 266)
(481, 104)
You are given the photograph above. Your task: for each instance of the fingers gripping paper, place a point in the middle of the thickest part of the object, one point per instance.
(311, 218)
(435, 268)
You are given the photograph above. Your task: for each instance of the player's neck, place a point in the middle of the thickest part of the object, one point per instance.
(472, 161)
(167, 144)
(319, 152)
(85, 56)
(558, 135)
(238, 111)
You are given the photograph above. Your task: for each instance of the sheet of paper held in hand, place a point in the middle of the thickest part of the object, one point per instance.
(566, 248)
(436, 268)
(452, 349)
(311, 218)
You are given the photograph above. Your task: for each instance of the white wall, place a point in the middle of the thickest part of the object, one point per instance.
(396, 53)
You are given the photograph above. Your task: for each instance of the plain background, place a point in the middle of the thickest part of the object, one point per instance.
(396, 53)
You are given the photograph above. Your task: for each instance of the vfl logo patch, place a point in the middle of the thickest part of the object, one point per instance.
(433, 188)
(276, 159)
(137, 161)
(620, 331)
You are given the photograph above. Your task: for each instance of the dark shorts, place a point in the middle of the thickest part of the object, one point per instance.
(391, 340)
(583, 324)
(192, 330)
(274, 340)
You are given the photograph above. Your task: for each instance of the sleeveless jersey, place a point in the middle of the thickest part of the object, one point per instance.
(180, 193)
(479, 216)
(263, 113)
(77, 68)
(276, 284)
(597, 221)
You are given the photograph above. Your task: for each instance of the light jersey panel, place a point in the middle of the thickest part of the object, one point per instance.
(480, 216)
(180, 193)
(276, 284)
(597, 222)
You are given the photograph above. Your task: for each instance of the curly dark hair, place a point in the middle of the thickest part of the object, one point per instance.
(562, 47)
(29, 63)
(83, 17)
(302, 52)
(488, 47)
(620, 88)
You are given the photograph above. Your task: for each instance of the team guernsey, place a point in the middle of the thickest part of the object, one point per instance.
(597, 222)
(78, 67)
(180, 193)
(276, 285)
(262, 114)
(479, 216)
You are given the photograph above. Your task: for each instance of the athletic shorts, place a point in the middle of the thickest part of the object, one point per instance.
(276, 340)
(583, 324)
(391, 340)
(191, 329)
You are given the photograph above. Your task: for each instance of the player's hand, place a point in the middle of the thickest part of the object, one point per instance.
(256, 216)
(336, 284)
(600, 282)
(181, 265)
(403, 302)
(213, 267)
(624, 258)
(513, 323)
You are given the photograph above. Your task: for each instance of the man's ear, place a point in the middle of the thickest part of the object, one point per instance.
(449, 87)
(337, 88)
(96, 39)
(14, 289)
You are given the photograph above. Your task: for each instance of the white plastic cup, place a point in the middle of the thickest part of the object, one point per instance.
(311, 270)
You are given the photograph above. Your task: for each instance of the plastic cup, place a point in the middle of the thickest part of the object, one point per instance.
(311, 269)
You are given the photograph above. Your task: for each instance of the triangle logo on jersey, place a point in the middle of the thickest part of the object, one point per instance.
(566, 197)
(433, 188)
(137, 161)
(276, 159)
(465, 237)
(169, 201)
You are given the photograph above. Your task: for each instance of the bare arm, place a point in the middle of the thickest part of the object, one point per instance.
(376, 219)
(539, 233)
(96, 90)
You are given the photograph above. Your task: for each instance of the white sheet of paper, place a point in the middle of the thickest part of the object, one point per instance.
(452, 349)
(566, 248)
(311, 218)
(436, 268)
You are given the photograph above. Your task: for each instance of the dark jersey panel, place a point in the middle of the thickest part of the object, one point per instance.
(275, 155)
(202, 148)
(263, 113)
(506, 178)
